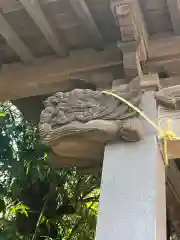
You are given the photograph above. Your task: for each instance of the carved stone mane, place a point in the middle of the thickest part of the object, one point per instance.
(78, 107)
(78, 124)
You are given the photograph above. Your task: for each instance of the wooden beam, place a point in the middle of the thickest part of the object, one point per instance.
(133, 44)
(81, 9)
(123, 14)
(164, 55)
(14, 41)
(164, 46)
(18, 81)
(174, 10)
(34, 9)
(141, 26)
(129, 18)
(170, 81)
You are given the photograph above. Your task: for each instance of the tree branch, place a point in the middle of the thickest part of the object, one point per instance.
(90, 199)
(39, 220)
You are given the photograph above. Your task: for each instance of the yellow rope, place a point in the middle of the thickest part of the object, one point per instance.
(167, 135)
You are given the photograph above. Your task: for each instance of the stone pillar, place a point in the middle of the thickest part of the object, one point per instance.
(132, 201)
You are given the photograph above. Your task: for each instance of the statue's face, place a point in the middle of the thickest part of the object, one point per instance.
(47, 114)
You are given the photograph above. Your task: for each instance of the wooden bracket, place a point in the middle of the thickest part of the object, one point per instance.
(133, 43)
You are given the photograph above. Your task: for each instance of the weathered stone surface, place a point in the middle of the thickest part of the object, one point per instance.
(169, 97)
(78, 124)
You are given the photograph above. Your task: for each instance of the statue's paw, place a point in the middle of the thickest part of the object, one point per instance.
(132, 130)
(110, 130)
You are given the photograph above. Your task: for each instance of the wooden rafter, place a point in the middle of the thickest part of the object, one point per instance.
(47, 76)
(82, 11)
(14, 41)
(34, 10)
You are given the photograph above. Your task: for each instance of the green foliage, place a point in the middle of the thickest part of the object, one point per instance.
(20, 208)
(35, 199)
